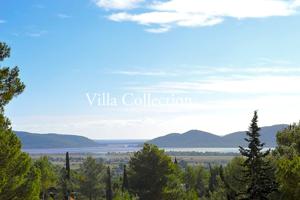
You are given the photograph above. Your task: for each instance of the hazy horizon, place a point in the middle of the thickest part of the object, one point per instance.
(141, 139)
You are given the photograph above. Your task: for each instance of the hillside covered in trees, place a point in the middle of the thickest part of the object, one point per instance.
(196, 138)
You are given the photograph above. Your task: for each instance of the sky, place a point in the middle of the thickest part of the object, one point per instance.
(138, 69)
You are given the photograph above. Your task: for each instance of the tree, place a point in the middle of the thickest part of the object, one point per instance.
(65, 182)
(48, 176)
(195, 179)
(258, 173)
(173, 189)
(190, 178)
(231, 177)
(108, 185)
(91, 178)
(287, 156)
(149, 171)
(175, 161)
(288, 141)
(125, 180)
(10, 83)
(212, 183)
(123, 196)
(67, 166)
(18, 178)
(32, 185)
(288, 176)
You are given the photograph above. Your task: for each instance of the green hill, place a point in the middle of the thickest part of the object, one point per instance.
(196, 138)
(52, 140)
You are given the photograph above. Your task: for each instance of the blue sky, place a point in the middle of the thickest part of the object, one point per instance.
(227, 57)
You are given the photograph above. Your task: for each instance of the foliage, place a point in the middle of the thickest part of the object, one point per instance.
(4, 51)
(287, 156)
(91, 178)
(109, 193)
(174, 189)
(67, 180)
(288, 175)
(258, 173)
(149, 171)
(213, 183)
(32, 185)
(123, 196)
(289, 141)
(124, 180)
(195, 179)
(18, 178)
(10, 83)
(231, 176)
(48, 177)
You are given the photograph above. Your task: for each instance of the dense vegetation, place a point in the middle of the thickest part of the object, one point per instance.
(19, 179)
(150, 174)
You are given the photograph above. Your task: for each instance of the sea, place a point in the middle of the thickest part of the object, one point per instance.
(121, 146)
(104, 150)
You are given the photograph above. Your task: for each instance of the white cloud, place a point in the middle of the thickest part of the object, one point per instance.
(2, 21)
(166, 19)
(213, 71)
(161, 29)
(296, 3)
(196, 13)
(144, 73)
(228, 8)
(36, 33)
(245, 85)
(118, 4)
(63, 16)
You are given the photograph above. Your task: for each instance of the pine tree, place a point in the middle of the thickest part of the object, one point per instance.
(258, 174)
(48, 176)
(230, 192)
(108, 185)
(175, 161)
(10, 83)
(91, 181)
(18, 177)
(125, 180)
(149, 172)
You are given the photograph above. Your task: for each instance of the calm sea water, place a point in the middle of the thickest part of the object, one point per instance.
(122, 149)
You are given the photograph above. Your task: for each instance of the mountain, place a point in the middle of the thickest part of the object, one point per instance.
(52, 140)
(192, 138)
(196, 138)
(267, 135)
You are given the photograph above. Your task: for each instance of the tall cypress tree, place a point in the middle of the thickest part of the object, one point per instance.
(258, 174)
(66, 178)
(108, 185)
(125, 180)
(67, 166)
(175, 161)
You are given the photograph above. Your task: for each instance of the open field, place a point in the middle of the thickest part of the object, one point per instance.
(116, 159)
